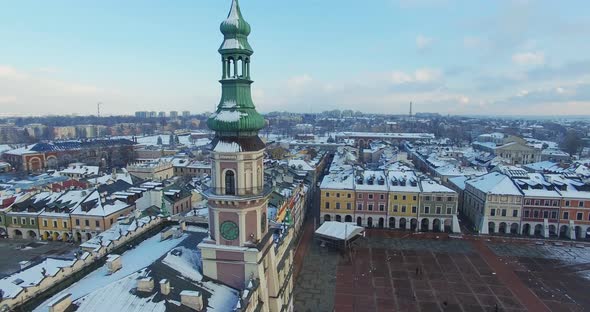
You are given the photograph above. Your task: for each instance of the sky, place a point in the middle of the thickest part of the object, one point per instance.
(501, 57)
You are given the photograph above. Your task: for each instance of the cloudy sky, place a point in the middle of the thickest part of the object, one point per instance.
(460, 57)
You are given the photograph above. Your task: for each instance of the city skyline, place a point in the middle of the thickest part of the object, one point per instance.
(451, 57)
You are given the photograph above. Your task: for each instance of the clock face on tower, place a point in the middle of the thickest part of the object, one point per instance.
(229, 230)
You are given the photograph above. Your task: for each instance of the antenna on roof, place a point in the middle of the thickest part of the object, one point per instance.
(98, 109)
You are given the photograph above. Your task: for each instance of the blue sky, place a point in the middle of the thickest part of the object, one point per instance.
(459, 57)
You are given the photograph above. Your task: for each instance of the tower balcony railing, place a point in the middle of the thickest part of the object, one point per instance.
(219, 193)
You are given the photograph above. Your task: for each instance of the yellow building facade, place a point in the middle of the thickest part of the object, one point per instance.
(404, 191)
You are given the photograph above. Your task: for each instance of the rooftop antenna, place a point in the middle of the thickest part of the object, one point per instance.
(410, 109)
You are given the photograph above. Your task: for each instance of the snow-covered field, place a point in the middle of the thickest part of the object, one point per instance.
(133, 260)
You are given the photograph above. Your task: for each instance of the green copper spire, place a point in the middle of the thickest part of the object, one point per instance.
(236, 114)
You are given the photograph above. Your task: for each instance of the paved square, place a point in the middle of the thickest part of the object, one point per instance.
(401, 272)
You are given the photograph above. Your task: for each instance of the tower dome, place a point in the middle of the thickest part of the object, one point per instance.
(235, 30)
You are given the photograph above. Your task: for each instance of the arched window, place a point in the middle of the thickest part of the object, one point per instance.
(230, 183)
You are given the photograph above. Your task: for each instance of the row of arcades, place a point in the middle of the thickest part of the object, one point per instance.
(400, 223)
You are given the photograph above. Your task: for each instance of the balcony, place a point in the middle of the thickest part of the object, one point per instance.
(218, 193)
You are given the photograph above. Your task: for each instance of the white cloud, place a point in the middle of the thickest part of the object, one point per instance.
(529, 58)
(422, 75)
(423, 42)
(299, 81)
(7, 99)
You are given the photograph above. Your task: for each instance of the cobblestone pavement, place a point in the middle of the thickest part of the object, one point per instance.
(315, 285)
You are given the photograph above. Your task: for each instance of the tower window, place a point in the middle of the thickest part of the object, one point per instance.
(230, 183)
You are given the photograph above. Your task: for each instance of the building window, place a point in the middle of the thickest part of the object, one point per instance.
(427, 198)
(78, 222)
(555, 203)
(44, 223)
(111, 221)
(553, 214)
(23, 221)
(527, 202)
(87, 222)
(536, 213)
(526, 213)
(55, 224)
(426, 209)
(348, 206)
(438, 198)
(97, 223)
(348, 195)
(32, 221)
(580, 204)
(449, 210)
(567, 203)
(414, 198)
(65, 224)
(360, 195)
(404, 197)
(537, 202)
(449, 198)
(370, 207)
(337, 195)
(414, 209)
(438, 209)
(381, 207)
(337, 205)
(545, 214)
(359, 206)
(566, 215)
(394, 208)
(394, 197)
(327, 206)
(579, 216)
(381, 196)
(503, 212)
(370, 196)
(230, 183)
(404, 209)
(492, 212)
(515, 213)
(327, 194)
(546, 202)
(14, 221)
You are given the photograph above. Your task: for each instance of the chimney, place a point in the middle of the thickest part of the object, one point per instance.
(114, 174)
(61, 303)
(145, 284)
(165, 287)
(191, 299)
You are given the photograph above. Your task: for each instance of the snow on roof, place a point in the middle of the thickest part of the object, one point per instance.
(371, 181)
(387, 135)
(494, 183)
(429, 186)
(133, 260)
(227, 147)
(117, 297)
(342, 180)
(76, 169)
(185, 263)
(12, 285)
(339, 230)
(300, 164)
(542, 166)
(401, 181)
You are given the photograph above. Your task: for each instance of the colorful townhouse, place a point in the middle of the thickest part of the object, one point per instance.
(337, 197)
(55, 222)
(23, 215)
(574, 215)
(95, 214)
(5, 203)
(404, 191)
(540, 211)
(494, 204)
(437, 208)
(371, 198)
